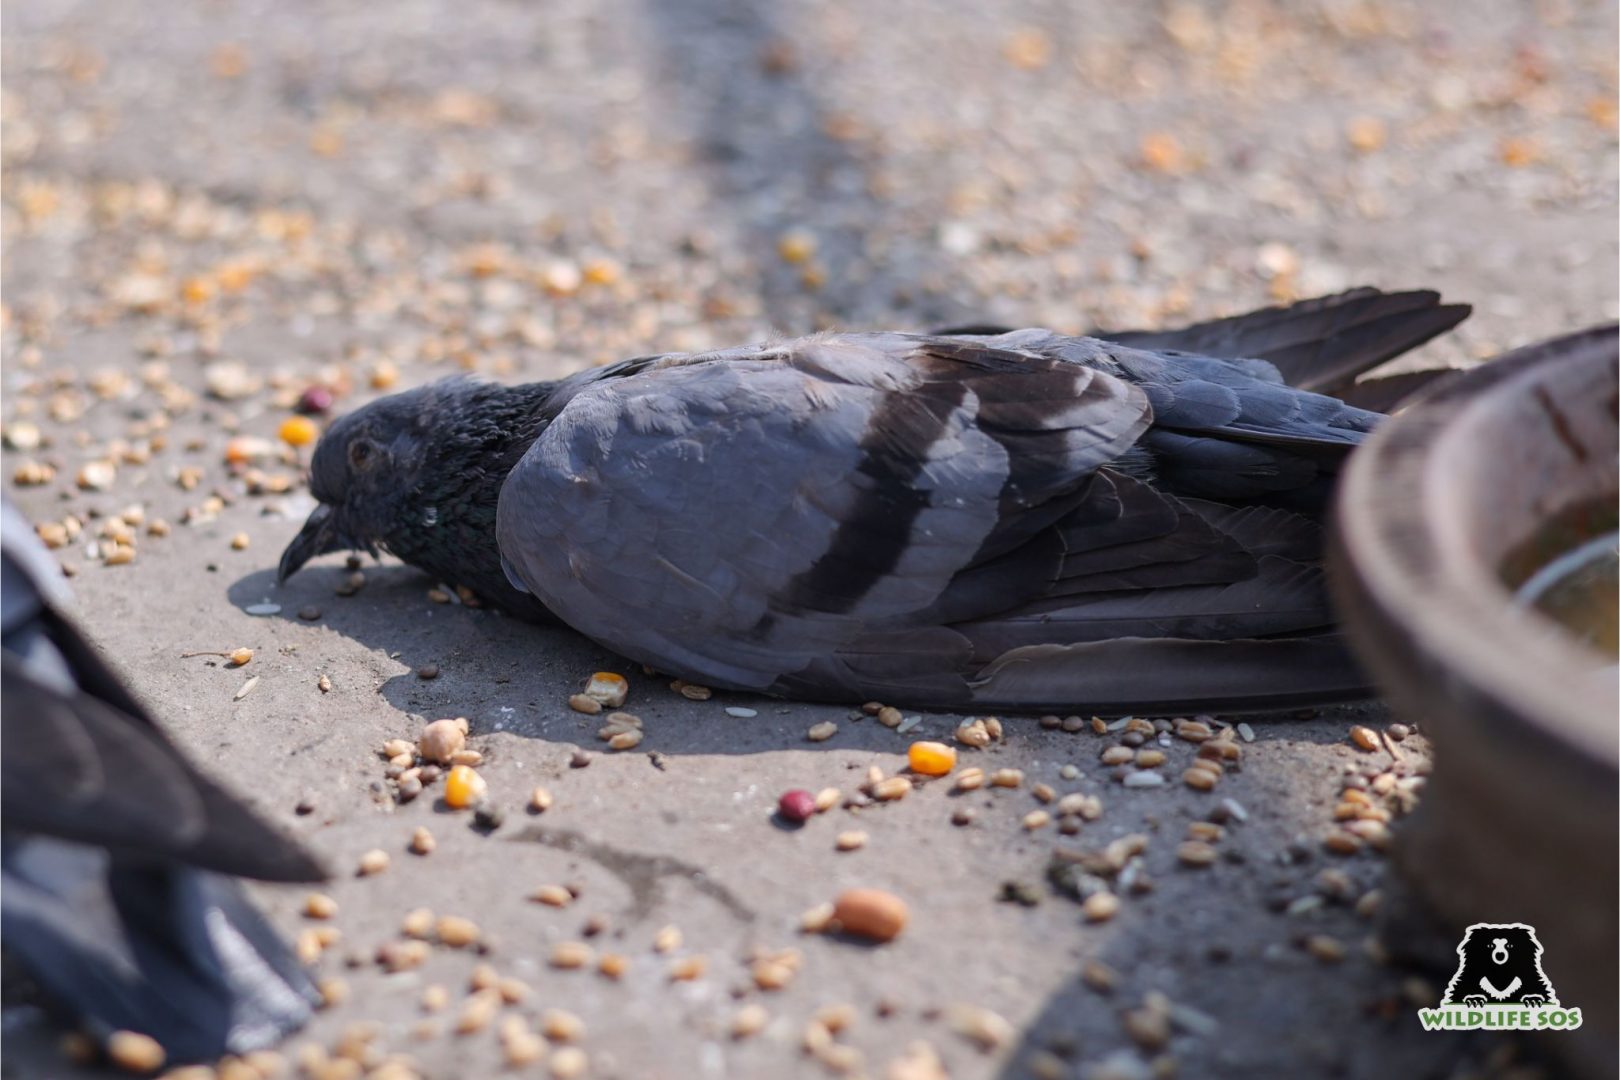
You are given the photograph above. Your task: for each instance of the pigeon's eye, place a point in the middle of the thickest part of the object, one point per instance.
(360, 453)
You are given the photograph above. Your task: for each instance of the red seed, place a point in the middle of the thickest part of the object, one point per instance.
(797, 805)
(315, 400)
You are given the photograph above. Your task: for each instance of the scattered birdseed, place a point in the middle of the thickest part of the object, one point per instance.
(1036, 819)
(477, 1012)
(552, 896)
(319, 906)
(973, 733)
(584, 704)
(1149, 758)
(1196, 853)
(1118, 755)
(521, 1047)
(1342, 843)
(1245, 732)
(931, 758)
(692, 691)
(852, 840)
(963, 815)
(418, 923)
(607, 689)
(540, 800)
(238, 657)
(822, 732)
(1007, 778)
(488, 817)
(749, 1020)
(1069, 772)
(333, 991)
(240, 542)
(1365, 738)
(324, 685)
(1369, 902)
(569, 1063)
(1099, 976)
(816, 919)
(797, 805)
(579, 759)
(741, 713)
(373, 862)
(688, 968)
(625, 740)
(889, 716)
(134, 1052)
(667, 940)
(422, 842)
(463, 787)
(456, 931)
(895, 787)
(985, 1029)
(1200, 779)
(826, 799)
(1148, 1027)
(428, 671)
(613, 965)
(467, 757)
(245, 689)
(1043, 793)
(871, 913)
(298, 430)
(561, 1025)
(1328, 949)
(970, 779)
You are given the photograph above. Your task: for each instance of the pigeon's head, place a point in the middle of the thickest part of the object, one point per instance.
(365, 473)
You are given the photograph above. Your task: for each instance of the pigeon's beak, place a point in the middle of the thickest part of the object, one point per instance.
(319, 535)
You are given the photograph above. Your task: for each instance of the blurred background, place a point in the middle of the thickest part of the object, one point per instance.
(522, 188)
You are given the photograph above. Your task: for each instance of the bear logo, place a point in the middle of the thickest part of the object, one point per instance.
(1500, 964)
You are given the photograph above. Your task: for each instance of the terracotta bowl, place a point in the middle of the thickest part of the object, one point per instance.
(1518, 823)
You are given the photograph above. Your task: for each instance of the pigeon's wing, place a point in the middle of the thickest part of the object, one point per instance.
(739, 514)
(1319, 344)
(83, 761)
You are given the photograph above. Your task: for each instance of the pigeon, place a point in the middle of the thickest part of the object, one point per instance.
(976, 519)
(119, 857)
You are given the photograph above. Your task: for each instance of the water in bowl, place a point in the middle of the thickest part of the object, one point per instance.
(1570, 572)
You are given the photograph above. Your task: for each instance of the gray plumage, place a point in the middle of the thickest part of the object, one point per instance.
(1017, 520)
(119, 856)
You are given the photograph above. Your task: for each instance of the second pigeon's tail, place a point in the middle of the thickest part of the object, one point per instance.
(177, 954)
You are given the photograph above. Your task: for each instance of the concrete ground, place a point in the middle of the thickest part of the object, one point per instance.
(210, 206)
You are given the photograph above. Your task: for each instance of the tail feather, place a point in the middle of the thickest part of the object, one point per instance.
(1387, 393)
(1320, 344)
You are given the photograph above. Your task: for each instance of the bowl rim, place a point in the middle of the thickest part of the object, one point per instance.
(1391, 537)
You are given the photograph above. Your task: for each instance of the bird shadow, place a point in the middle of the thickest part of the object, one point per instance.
(508, 675)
